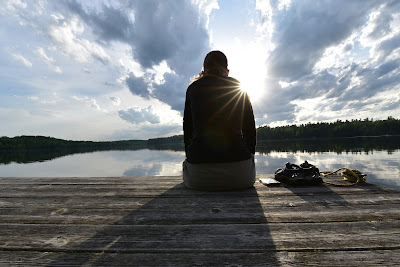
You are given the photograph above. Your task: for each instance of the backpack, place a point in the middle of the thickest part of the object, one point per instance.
(305, 174)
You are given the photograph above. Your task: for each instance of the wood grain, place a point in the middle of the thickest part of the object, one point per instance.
(156, 221)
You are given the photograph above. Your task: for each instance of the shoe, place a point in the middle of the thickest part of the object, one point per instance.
(305, 174)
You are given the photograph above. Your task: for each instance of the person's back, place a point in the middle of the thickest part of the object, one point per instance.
(220, 115)
(219, 130)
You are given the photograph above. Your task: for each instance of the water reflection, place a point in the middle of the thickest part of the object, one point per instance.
(142, 162)
(381, 164)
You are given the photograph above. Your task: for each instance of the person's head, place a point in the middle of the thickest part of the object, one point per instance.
(216, 63)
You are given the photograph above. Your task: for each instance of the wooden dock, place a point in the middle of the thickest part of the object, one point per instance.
(155, 221)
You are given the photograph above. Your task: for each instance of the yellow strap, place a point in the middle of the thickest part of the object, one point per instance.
(352, 175)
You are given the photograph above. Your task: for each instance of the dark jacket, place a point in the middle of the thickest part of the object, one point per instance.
(218, 122)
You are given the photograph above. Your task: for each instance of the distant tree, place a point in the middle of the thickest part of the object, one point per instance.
(366, 127)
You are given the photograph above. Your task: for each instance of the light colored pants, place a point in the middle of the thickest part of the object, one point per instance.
(220, 176)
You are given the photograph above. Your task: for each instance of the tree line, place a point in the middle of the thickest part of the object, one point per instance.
(337, 129)
(353, 128)
(49, 143)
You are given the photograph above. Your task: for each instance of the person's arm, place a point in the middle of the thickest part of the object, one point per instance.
(187, 123)
(249, 126)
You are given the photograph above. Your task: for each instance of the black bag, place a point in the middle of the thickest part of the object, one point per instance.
(305, 174)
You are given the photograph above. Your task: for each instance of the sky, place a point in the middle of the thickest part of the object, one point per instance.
(117, 70)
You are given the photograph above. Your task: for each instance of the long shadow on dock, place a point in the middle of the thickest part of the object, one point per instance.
(321, 195)
(324, 195)
(182, 227)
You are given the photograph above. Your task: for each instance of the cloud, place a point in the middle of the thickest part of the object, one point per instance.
(388, 47)
(13, 5)
(138, 86)
(139, 115)
(66, 37)
(23, 60)
(115, 100)
(34, 98)
(40, 51)
(146, 131)
(172, 91)
(90, 102)
(157, 31)
(330, 61)
(48, 60)
(304, 30)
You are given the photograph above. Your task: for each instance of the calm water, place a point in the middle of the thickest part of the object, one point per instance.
(381, 167)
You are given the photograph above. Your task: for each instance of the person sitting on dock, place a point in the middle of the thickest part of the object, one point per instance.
(219, 130)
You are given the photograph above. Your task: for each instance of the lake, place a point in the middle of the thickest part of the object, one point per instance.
(380, 163)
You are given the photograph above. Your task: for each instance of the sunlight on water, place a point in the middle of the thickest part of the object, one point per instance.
(382, 168)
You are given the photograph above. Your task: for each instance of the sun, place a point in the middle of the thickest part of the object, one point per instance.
(251, 71)
(251, 82)
(253, 86)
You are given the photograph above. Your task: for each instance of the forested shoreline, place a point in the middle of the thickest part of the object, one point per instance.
(41, 142)
(322, 130)
(353, 128)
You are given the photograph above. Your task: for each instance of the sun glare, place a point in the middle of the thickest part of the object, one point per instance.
(252, 85)
(250, 70)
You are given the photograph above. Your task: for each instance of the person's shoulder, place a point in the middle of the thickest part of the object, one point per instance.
(213, 79)
(192, 86)
(199, 82)
(231, 82)
(227, 79)
(233, 79)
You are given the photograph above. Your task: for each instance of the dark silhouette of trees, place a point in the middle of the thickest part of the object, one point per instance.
(42, 142)
(25, 149)
(366, 127)
(320, 130)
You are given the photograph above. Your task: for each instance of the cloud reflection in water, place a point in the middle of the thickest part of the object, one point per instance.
(382, 168)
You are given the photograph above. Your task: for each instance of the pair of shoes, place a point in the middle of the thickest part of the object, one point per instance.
(305, 174)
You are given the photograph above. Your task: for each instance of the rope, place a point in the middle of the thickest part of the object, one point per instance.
(352, 175)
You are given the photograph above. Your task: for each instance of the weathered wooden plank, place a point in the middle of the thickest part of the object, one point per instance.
(139, 180)
(152, 180)
(108, 180)
(157, 210)
(223, 201)
(157, 181)
(232, 237)
(179, 190)
(179, 186)
(98, 180)
(293, 258)
(210, 214)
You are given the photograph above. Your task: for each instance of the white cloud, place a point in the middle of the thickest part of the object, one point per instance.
(12, 5)
(48, 60)
(284, 4)
(40, 51)
(337, 52)
(284, 84)
(138, 115)
(115, 100)
(166, 39)
(266, 26)
(90, 102)
(66, 37)
(206, 7)
(57, 69)
(23, 60)
(34, 98)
